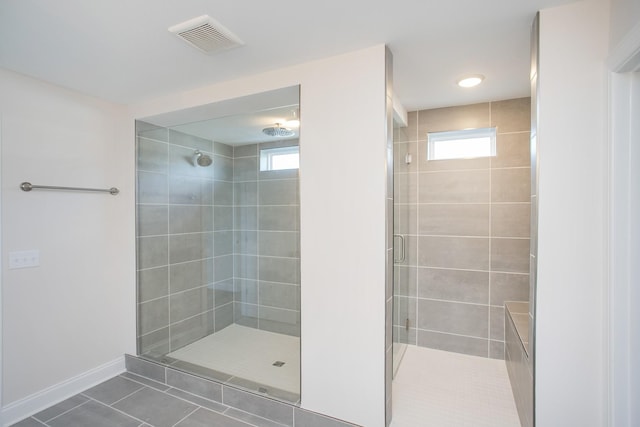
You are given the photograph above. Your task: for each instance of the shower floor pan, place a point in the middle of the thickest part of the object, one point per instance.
(254, 359)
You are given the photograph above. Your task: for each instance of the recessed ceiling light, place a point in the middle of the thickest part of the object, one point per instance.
(471, 81)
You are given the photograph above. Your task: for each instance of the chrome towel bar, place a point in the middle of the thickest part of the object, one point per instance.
(27, 186)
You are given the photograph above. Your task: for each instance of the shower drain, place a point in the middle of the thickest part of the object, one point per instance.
(278, 363)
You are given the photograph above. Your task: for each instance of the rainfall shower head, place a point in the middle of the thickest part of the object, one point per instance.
(201, 159)
(278, 130)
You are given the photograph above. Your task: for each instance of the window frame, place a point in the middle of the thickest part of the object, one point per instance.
(459, 135)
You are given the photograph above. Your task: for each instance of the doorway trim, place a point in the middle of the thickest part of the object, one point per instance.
(622, 278)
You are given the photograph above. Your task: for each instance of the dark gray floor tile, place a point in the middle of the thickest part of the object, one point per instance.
(154, 407)
(146, 369)
(266, 408)
(60, 408)
(214, 406)
(28, 422)
(195, 385)
(263, 389)
(113, 390)
(206, 418)
(146, 381)
(311, 419)
(252, 419)
(93, 414)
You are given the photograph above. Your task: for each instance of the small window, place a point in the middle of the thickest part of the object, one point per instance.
(461, 144)
(275, 159)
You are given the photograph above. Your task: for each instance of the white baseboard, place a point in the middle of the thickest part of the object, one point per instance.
(30, 405)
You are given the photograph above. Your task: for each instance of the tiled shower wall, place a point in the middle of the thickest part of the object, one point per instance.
(216, 245)
(466, 228)
(184, 239)
(266, 239)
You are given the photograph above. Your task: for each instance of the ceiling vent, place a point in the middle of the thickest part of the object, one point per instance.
(206, 34)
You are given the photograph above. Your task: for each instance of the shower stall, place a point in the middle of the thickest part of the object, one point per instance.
(218, 244)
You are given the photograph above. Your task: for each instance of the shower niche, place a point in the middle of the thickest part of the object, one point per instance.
(218, 231)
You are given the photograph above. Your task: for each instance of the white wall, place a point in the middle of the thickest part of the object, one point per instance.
(571, 135)
(342, 215)
(76, 311)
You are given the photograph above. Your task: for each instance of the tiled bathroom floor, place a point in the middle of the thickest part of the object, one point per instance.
(248, 353)
(132, 401)
(435, 388)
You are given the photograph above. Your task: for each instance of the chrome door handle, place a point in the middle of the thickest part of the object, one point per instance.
(403, 253)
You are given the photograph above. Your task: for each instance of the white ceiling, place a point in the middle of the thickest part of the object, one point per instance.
(121, 51)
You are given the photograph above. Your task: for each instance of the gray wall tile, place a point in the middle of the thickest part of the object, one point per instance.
(245, 169)
(222, 243)
(223, 267)
(284, 270)
(496, 330)
(222, 149)
(246, 291)
(152, 187)
(153, 283)
(153, 315)
(223, 316)
(189, 275)
(510, 185)
(409, 132)
(190, 247)
(152, 220)
(510, 219)
(279, 243)
(223, 193)
(245, 193)
(190, 303)
(224, 292)
(454, 219)
(155, 344)
(512, 150)
(405, 187)
(222, 218)
(512, 115)
(453, 118)
(247, 150)
(453, 317)
(454, 285)
(152, 252)
(223, 168)
(245, 218)
(454, 343)
(509, 287)
(454, 187)
(147, 130)
(195, 142)
(190, 330)
(190, 219)
(279, 218)
(278, 192)
(186, 190)
(152, 156)
(279, 295)
(510, 255)
(245, 242)
(470, 253)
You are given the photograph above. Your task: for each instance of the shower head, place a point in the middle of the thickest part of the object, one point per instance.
(202, 159)
(278, 130)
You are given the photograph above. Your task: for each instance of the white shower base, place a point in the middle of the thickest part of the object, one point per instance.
(249, 354)
(440, 388)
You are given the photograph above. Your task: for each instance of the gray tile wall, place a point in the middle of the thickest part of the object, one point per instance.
(266, 243)
(184, 239)
(466, 227)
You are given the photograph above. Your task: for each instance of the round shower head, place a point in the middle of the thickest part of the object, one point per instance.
(202, 159)
(278, 130)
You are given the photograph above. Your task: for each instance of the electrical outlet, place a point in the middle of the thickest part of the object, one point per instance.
(24, 259)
